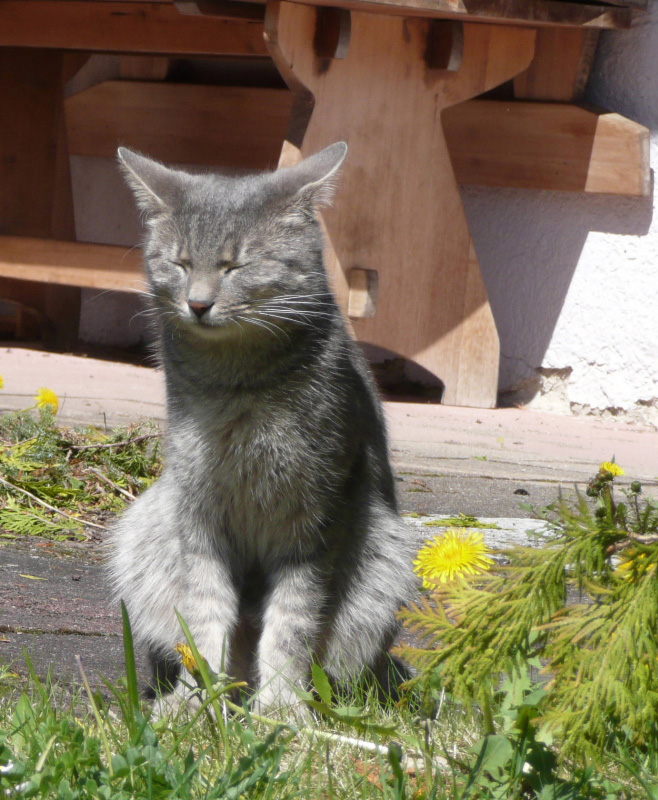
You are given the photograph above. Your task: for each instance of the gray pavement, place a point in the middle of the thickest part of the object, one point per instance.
(54, 600)
(55, 604)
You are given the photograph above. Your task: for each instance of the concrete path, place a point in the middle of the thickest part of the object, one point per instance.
(54, 599)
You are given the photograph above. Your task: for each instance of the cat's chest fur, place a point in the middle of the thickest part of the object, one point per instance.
(249, 473)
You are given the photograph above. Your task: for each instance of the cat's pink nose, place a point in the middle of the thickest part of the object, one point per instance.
(199, 306)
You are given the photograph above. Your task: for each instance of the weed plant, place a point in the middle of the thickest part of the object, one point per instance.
(60, 483)
(598, 652)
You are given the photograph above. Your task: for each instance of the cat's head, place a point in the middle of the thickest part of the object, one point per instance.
(226, 255)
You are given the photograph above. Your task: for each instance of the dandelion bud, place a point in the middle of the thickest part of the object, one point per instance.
(188, 659)
(636, 487)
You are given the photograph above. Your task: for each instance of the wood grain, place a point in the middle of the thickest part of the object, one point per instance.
(398, 210)
(220, 126)
(143, 68)
(132, 27)
(548, 146)
(561, 66)
(35, 185)
(92, 266)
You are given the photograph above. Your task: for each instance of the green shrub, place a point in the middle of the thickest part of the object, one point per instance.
(583, 608)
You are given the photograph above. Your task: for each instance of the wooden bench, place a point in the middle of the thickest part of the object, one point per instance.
(395, 80)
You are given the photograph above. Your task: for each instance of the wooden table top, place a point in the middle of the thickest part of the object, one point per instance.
(34, 23)
(587, 13)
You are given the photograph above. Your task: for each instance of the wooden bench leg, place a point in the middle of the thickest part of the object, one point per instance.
(35, 183)
(398, 214)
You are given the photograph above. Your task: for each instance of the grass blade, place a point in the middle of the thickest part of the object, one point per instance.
(99, 721)
(131, 671)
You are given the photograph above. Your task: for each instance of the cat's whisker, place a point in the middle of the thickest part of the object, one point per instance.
(297, 318)
(288, 315)
(237, 319)
(282, 302)
(293, 306)
(289, 320)
(134, 317)
(306, 299)
(150, 310)
(261, 323)
(101, 294)
(153, 312)
(297, 311)
(128, 252)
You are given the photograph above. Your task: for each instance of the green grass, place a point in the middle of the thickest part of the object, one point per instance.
(55, 743)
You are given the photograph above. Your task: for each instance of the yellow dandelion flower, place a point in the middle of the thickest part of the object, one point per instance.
(2, 382)
(459, 552)
(46, 397)
(611, 468)
(189, 661)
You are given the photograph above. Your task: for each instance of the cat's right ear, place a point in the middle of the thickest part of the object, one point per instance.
(311, 182)
(155, 186)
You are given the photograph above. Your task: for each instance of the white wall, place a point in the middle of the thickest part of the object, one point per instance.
(573, 279)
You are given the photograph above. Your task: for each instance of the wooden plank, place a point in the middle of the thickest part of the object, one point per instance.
(91, 266)
(528, 145)
(561, 66)
(181, 123)
(131, 27)
(35, 185)
(514, 12)
(547, 146)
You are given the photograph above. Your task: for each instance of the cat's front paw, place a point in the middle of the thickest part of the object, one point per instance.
(172, 704)
(279, 699)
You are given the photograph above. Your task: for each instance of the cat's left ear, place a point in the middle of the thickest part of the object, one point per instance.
(314, 179)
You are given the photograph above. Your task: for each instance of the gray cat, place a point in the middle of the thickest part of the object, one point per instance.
(274, 528)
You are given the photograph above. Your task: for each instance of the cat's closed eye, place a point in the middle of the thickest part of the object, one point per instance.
(184, 264)
(229, 266)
